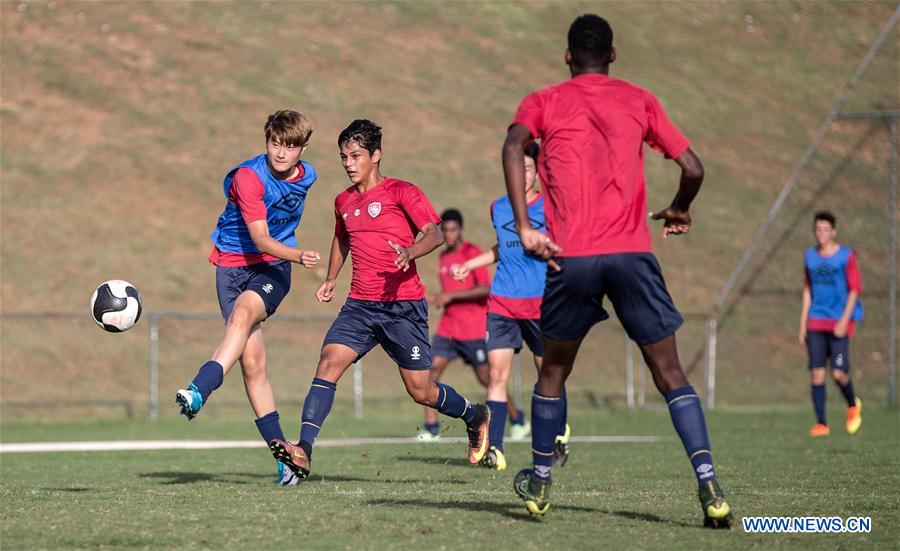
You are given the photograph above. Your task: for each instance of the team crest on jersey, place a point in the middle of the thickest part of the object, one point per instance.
(374, 209)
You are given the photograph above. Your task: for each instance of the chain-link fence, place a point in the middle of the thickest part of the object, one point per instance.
(62, 366)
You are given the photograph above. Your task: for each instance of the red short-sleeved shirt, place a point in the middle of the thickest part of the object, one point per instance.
(392, 211)
(247, 193)
(463, 321)
(592, 130)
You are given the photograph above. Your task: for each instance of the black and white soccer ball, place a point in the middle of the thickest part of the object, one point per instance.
(116, 306)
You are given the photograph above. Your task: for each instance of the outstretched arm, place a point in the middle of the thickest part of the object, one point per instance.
(677, 219)
(533, 240)
(486, 258)
(265, 243)
(340, 247)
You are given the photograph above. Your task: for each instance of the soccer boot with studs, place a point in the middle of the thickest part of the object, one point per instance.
(534, 491)
(189, 401)
(716, 512)
(854, 417)
(292, 455)
(494, 459)
(561, 451)
(477, 432)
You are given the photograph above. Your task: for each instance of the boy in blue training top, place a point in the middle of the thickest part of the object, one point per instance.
(830, 307)
(254, 247)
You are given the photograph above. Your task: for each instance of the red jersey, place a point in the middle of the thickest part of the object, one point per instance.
(463, 321)
(247, 193)
(392, 211)
(592, 130)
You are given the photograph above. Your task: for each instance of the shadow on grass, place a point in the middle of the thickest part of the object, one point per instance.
(517, 510)
(74, 490)
(191, 478)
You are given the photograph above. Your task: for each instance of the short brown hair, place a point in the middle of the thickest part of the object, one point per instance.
(289, 127)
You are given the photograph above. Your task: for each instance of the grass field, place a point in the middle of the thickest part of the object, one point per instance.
(610, 495)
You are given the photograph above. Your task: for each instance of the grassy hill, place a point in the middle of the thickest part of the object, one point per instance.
(120, 118)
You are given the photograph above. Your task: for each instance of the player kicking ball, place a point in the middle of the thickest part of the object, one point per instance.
(376, 221)
(255, 243)
(592, 129)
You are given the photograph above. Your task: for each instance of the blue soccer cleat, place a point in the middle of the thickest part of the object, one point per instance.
(189, 400)
(286, 477)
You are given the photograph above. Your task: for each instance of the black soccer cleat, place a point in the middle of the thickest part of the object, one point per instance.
(716, 512)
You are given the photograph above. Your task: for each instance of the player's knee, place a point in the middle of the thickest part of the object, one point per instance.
(839, 376)
(422, 395)
(817, 376)
(241, 317)
(254, 370)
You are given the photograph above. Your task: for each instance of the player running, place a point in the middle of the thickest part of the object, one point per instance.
(461, 331)
(592, 128)
(255, 243)
(830, 309)
(376, 221)
(514, 310)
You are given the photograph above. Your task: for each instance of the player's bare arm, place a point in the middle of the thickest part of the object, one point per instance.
(533, 240)
(432, 238)
(486, 258)
(677, 219)
(804, 313)
(265, 243)
(340, 248)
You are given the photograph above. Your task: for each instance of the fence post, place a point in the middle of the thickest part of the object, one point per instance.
(357, 390)
(629, 373)
(892, 255)
(154, 365)
(711, 337)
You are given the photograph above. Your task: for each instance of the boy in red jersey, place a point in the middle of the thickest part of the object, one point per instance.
(376, 221)
(463, 326)
(592, 129)
(254, 245)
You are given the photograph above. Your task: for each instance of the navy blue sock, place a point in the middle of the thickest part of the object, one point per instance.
(451, 404)
(849, 395)
(687, 416)
(433, 428)
(818, 399)
(565, 414)
(545, 415)
(518, 418)
(270, 427)
(315, 408)
(498, 423)
(209, 378)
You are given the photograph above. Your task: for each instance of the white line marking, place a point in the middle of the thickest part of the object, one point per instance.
(129, 445)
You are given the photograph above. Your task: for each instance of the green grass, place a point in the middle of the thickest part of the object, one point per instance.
(628, 495)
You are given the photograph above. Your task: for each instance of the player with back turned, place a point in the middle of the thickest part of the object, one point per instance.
(592, 129)
(376, 221)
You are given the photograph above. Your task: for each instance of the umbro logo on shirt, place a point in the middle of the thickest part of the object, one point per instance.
(511, 225)
(289, 202)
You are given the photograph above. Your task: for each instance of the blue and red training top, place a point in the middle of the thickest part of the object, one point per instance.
(518, 286)
(830, 280)
(254, 193)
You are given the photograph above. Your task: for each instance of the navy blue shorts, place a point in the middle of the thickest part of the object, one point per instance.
(270, 280)
(472, 352)
(823, 345)
(400, 327)
(504, 332)
(573, 297)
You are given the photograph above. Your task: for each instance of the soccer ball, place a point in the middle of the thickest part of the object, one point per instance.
(116, 306)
